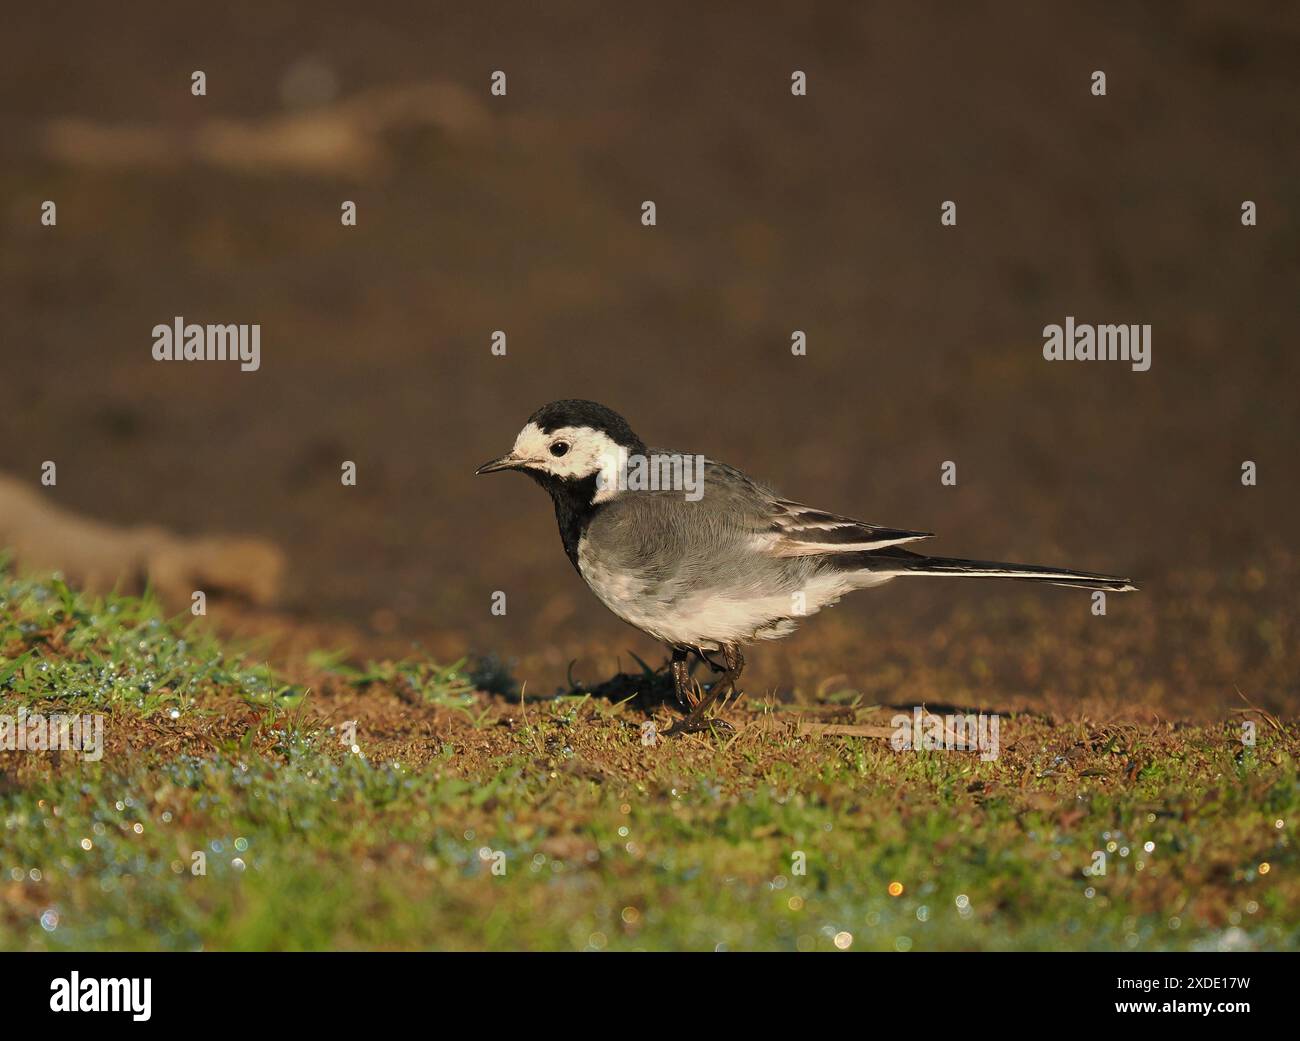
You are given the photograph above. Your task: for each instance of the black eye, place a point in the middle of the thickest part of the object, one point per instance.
(560, 448)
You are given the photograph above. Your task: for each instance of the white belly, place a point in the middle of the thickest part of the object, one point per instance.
(705, 620)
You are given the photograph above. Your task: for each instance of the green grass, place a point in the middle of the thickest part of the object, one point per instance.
(605, 843)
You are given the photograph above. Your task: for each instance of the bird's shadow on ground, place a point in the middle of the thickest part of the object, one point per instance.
(650, 688)
(647, 689)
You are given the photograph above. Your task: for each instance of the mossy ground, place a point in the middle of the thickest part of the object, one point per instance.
(459, 819)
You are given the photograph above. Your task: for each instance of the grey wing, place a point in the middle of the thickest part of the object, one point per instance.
(799, 531)
(735, 523)
(785, 528)
(666, 533)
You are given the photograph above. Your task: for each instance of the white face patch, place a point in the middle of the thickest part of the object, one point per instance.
(589, 452)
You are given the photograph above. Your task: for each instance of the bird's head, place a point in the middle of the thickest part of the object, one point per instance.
(568, 443)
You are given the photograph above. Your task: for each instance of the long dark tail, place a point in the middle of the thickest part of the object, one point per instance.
(894, 562)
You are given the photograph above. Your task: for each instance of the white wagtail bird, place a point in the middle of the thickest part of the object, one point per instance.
(702, 557)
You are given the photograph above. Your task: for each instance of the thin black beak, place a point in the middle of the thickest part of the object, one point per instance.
(506, 462)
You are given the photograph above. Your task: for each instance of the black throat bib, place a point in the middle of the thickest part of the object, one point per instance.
(574, 508)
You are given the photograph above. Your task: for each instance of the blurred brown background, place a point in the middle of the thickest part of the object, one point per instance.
(775, 213)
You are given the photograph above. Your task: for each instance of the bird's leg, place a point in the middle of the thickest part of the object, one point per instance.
(704, 657)
(697, 721)
(681, 670)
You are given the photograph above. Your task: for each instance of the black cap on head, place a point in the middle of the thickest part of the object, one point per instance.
(575, 412)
